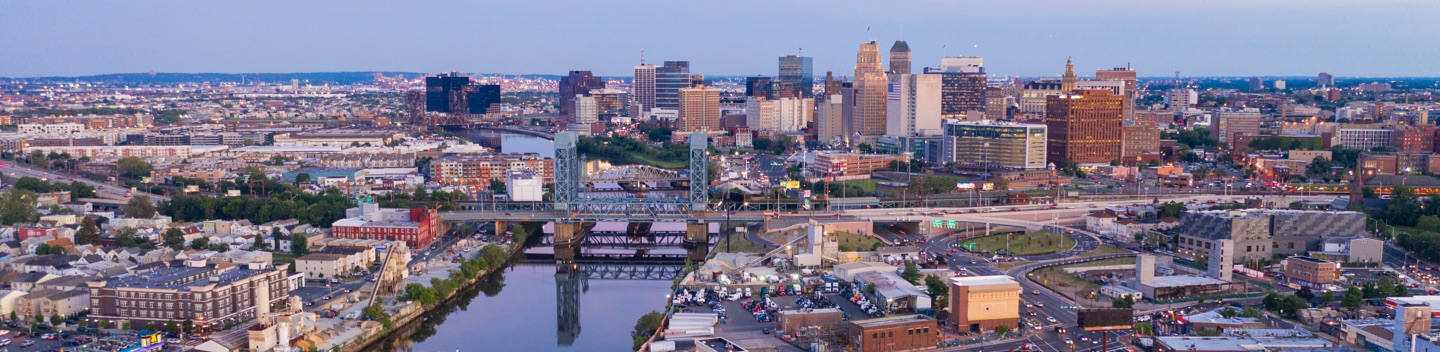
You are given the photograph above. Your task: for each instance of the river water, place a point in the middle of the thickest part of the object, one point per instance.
(528, 307)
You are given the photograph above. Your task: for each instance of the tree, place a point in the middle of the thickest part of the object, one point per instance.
(376, 312)
(1172, 210)
(1328, 296)
(645, 327)
(1429, 223)
(1144, 329)
(1123, 302)
(1291, 306)
(200, 243)
(865, 148)
(1272, 300)
(936, 287)
(259, 243)
(911, 273)
(302, 178)
(46, 249)
(1400, 291)
(17, 205)
(132, 167)
(1002, 329)
(1228, 312)
(1305, 293)
(219, 247)
(1251, 313)
(55, 320)
(174, 238)
(299, 245)
(140, 207)
(276, 236)
(88, 233)
(1402, 210)
(1353, 298)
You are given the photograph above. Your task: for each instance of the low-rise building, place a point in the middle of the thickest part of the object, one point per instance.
(1311, 272)
(417, 227)
(894, 333)
(192, 290)
(982, 303)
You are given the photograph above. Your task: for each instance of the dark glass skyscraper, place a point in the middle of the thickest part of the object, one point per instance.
(760, 86)
(453, 93)
(669, 79)
(797, 70)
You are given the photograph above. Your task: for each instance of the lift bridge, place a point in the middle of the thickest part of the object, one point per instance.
(577, 203)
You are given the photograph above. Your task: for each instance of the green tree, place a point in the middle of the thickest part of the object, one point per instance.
(865, 148)
(200, 243)
(1429, 223)
(1251, 313)
(1402, 210)
(1305, 293)
(1329, 296)
(1399, 290)
(88, 233)
(46, 249)
(936, 287)
(1228, 312)
(276, 236)
(1172, 210)
(259, 243)
(1272, 300)
(219, 247)
(911, 273)
(132, 167)
(1353, 298)
(1002, 329)
(174, 238)
(1291, 306)
(17, 205)
(645, 327)
(376, 312)
(139, 206)
(302, 178)
(299, 245)
(1144, 329)
(55, 320)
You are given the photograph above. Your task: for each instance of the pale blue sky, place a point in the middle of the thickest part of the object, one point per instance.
(743, 37)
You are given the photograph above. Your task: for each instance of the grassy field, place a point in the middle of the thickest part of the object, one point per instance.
(1105, 249)
(856, 242)
(741, 245)
(1039, 242)
(1074, 286)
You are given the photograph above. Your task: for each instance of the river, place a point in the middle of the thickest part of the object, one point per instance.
(521, 308)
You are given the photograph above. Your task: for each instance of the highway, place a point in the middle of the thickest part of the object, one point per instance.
(103, 190)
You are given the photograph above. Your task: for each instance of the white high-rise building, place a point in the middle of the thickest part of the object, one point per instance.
(913, 105)
(587, 111)
(762, 114)
(794, 113)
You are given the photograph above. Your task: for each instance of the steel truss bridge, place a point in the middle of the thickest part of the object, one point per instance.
(630, 242)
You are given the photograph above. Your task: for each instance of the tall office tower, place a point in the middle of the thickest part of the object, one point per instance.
(669, 79)
(1067, 82)
(440, 88)
(1016, 145)
(643, 89)
(576, 83)
(871, 86)
(1227, 124)
(962, 86)
(913, 105)
(832, 85)
(1257, 84)
(699, 109)
(1326, 80)
(453, 93)
(1084, 127)
(587, 109)
(1128, 76)
(762, 114)
(760, 86)
(900, 57)
(830, 118)
(849, 93)
(799, 73)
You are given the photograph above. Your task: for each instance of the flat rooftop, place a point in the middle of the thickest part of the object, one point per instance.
(891, 320)
(180, 277)
(1183, 281)
(982, 280)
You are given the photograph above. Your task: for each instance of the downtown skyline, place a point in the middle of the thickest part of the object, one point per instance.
(1223, 38)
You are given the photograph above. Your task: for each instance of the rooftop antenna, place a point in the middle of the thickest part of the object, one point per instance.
(800, 51)
(642, 56)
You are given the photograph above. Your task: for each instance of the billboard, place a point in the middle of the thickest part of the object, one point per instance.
(791, 184)
(965, 186)
(1101, 319)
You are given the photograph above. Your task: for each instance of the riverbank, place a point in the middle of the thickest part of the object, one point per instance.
(408, 317)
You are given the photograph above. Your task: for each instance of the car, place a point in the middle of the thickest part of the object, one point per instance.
(325, 297)
(1068, 342)
(1035, 292)
(1028, 305)
(172, 341)
(1033, 314)
(27, 343)
(1039, 304)
(1084, 338)
(765, 331)
(1051, 319)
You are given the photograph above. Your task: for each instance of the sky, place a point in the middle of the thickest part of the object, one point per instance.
(1029, 38)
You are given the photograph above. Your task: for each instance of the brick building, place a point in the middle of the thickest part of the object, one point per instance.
(1084, 128)
(1311, 272)
(192, 290)
(481, 169)
(416, 227)
(982, 303)
(894, 333)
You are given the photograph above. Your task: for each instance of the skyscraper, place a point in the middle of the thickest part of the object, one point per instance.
(669, 80)
(832, 85)
(699, 109)
(1326, 80)
(900, 57)
(453, 93)
(576, 83)
(830, 116)
(913, 105)
(871, 89)
(797, 71)
(760, 86)
(1084, 127)
(1257, 83)
(1128, 76)
(643, 88)
(962, 86)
